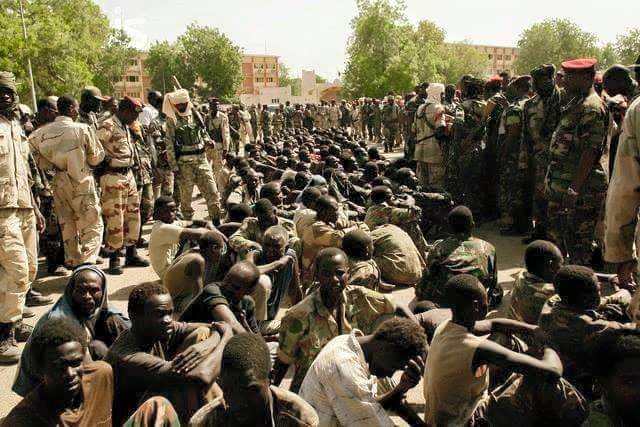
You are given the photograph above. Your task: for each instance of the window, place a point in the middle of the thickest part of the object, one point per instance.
(133, 78)
(507, 57)
(275, 100)
(269, 79)
(259, 79)
(499, 57)
(133, 62)
(490, 56)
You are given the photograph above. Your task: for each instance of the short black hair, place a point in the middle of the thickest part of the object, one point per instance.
(141, 293)
(324, 202)
(161, 203)
(328, 253)
(238, 212)
(574, 281)
(310, 195)
(405, 336)
(537, 254)
(463, 288)
(65, 102)
(606, 349)
(270, 189)
(355, 243)
(263, 206)
(247, 351)
(379, 193)
(461, 219)
(56, 332)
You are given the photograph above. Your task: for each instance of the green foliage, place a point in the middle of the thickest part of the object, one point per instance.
(462, 58)
(607, 56)
(428, 39)
(628, 46)
(200, 53)
(554, 41)
(320, 79)
(113, 61)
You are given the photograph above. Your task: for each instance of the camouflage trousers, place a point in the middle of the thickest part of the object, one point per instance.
(198, 173)
(51, 237)
(18, 260)
(121, 210)
(146, 202)
(539, 202)
(430, 175)
(511, 192)
(390, 136)
(574, 231)
(79, 216)
(215, 156)
(164, 184)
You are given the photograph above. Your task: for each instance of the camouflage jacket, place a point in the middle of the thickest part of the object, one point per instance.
(384, 213)
(250, 235)
(308, 326)
(456, 255)
(157, 131)
(390, 115)
(529, 295)
(365, 273)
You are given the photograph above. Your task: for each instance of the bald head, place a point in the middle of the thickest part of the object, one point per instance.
(241, 280)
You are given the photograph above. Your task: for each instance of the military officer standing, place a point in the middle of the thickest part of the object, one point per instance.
(576, 183)
(390, 121)
(278, 120)
(333, 114)
(265, 120)
(119, 191)
(72, 150)
(164, 181)
(19, 243)
(186, 140)
(430, 128)
(91, 100)
(217, 124)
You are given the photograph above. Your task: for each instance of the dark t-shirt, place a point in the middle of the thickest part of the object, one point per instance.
(201, 308)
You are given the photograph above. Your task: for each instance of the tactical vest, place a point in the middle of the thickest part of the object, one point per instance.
(216, 131)
(188, 138)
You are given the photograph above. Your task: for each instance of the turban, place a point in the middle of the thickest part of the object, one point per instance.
(180, 96)
(8, 80)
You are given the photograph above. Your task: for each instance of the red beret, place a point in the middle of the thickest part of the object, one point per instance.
(137, 106)
(579, 64)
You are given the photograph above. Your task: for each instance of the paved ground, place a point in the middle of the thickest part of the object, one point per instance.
(509, 250)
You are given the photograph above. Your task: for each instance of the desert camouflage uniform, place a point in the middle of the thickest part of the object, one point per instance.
(407, 219)
(72, 149)
(217, 124)
(278, 122)
(363, 272)
(119, 192)
(186, 141)
(296, 119)
(457, 255)
(308, 326)
(250, 235)
(333, 116)
(529, 294)
(583, 126)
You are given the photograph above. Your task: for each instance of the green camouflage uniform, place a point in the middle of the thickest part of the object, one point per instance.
(164, 178)
(278, 122)
(143, 171)
(250, 235)
(186, 140)
(529, 294)
(265, 120)
(409, 132)
(390, 118)
(407, 219)
(297, 118)
(374, 121)
(457, 255)
(583, 125)
(308, 326)
(396, 255)
(363, 272)
(490, 175)
(511, 194)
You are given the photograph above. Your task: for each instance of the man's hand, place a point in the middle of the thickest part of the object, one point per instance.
(411, 375)
(40, 221)
(224, 329)
(625, 275)
(189, 359)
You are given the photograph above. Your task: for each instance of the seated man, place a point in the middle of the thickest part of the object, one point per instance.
(159, 356)
(339, 383)
(85, 304)
(248, 398)
(248, 192)
(305, 215)
(236, 215)
(614, 361)
(166, 236)
(250, 234)
(362, 269)
(534, 286)
(74, 391)
(228, 301)
(384, 211)
(570, 318)
(314, 321)
(325, 232)
(218, 257)
(460, 253)
(456, 377)
(398, 258)
(273, 192)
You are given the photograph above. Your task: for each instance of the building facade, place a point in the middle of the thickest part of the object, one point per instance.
(136, 81)
(499, 58)
(259, 72)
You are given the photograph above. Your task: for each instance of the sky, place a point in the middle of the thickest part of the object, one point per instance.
(313, 34)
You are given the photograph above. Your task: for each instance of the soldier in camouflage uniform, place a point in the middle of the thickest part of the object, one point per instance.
(278, 120)
(296, 117)
(265, 121)
(119, 192)
(541, 117)
(496, 102)
(235, 122)
(511, 193)
(374, 121)
(255, 122)
(72, 150)
(429, 144)
(164, 180)
(91, 100)
(143, 170)
(457, 254)
(331, 310)
(186, 140)
(576, 183)
(408, 117)
(345, 115)
(217, 125)
(288, 115)
(390, 117)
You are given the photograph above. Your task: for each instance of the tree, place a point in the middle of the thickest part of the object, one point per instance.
(113, 60)
(64, 43)
(203, 59)
(554, 41)
(606, 56)
(460, 59)
(428, 39)
(628, 46)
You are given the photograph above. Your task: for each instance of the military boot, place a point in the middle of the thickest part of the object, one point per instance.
(9, 351)
(114, 264)
(22, 331)
(133, 259)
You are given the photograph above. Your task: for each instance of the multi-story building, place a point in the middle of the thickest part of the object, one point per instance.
(259, 71)
(136, 81)
(499, 58)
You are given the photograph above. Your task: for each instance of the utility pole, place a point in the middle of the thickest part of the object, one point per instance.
(26, 44)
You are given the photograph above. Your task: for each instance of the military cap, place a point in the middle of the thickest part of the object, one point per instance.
(93, 92)
(544, 70)
(132, 103)
(494, 82)
(617, 70)
(213, 99)
(582, 64)
(522, 82)
(8, 80)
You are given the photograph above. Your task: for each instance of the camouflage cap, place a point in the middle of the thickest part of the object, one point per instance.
(93, 92)
(548, 70)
